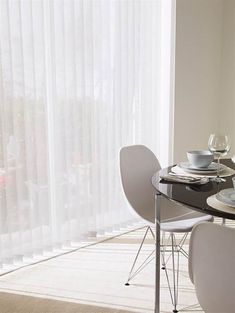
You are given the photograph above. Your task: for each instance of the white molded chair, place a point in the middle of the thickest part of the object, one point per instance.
(138, 164)
(212, 267)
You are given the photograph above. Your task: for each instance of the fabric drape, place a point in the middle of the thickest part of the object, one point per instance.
(78, 80)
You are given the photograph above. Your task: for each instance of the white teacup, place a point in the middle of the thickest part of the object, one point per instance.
(200, 158)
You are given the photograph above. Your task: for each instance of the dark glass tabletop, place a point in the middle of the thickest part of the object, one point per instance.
(194, 195)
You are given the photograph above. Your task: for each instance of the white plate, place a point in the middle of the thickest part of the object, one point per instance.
(227, 196)
(211, 169)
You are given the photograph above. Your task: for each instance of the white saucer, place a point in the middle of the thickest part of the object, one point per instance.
(212, 168)
(227, 196)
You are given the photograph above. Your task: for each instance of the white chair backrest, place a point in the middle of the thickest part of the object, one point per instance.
(212, 266)
(137, 165)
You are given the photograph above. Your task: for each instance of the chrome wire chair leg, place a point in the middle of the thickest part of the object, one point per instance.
(175, 273)
(167, 243)
(181, 244)
(163, 250)
(175, 248)
(149, 258)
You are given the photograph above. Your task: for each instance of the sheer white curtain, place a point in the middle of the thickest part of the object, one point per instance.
(78, 80)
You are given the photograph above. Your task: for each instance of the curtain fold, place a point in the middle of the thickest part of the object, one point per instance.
(78, 80)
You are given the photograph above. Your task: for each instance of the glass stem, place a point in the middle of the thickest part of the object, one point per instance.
(218, 166)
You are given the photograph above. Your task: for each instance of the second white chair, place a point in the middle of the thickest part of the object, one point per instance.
(212, 267)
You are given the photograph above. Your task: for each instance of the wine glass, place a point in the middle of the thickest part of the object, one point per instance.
(219, 145)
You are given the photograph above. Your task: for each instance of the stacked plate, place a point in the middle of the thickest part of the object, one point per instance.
(211, 169)
(227, 196)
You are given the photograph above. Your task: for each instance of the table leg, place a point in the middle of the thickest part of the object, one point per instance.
(157, 253)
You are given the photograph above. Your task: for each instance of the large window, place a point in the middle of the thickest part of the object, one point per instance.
(78, 80)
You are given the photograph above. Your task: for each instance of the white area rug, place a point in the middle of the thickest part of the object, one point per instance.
(95, 276)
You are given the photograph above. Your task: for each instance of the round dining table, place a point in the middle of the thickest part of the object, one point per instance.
(194, 196)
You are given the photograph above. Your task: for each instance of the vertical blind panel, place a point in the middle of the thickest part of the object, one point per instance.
(79, 79)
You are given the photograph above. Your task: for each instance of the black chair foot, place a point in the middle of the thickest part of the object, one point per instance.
(163, 268)
(175, 311)
(127, 284)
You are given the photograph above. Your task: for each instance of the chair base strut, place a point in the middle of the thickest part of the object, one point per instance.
(173, 248)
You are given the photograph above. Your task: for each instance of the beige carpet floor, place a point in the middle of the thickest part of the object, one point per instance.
(13, 303)
(91, 280)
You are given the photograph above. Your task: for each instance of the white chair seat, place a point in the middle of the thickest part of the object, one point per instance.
(185, 225)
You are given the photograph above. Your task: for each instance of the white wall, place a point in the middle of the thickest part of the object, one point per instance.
(227, 97)
(204, 77)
